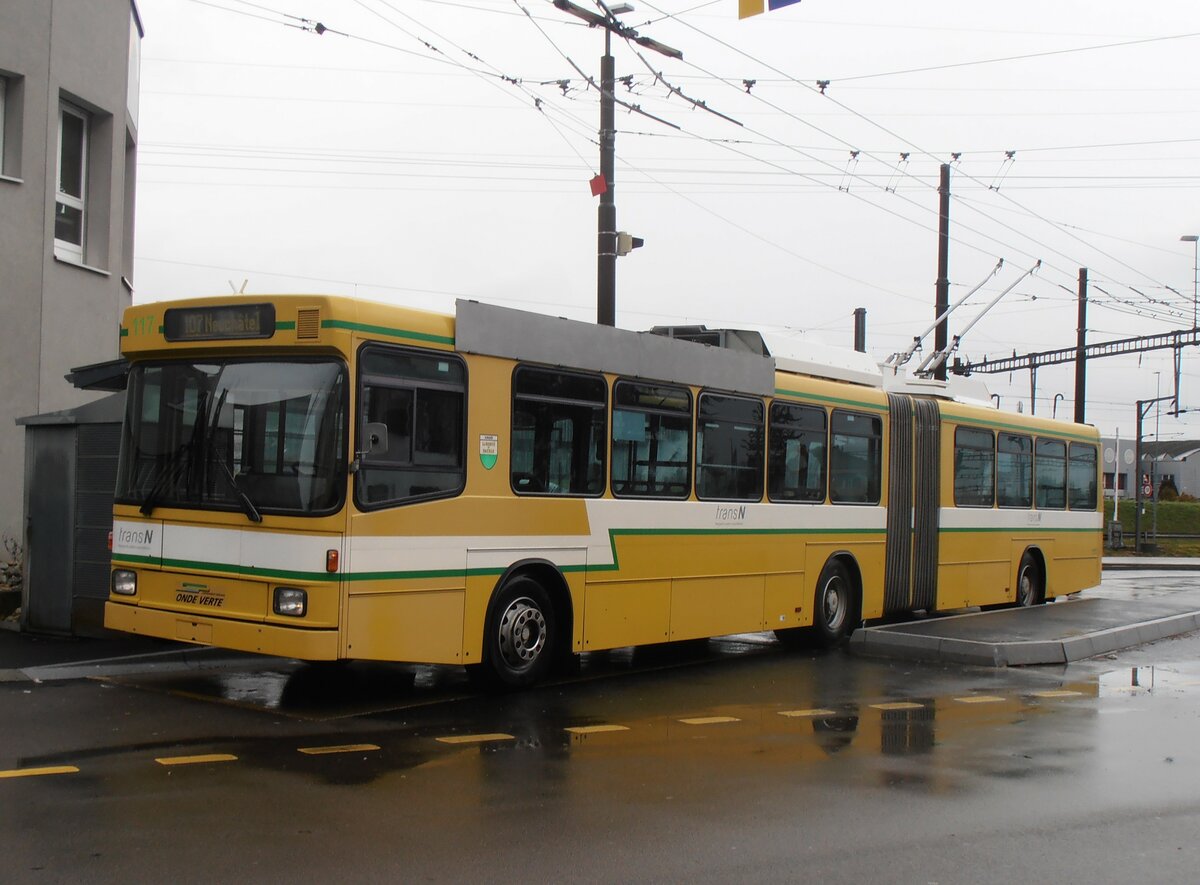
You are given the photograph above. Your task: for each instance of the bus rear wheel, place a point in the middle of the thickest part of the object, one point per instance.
(520, 636)
(835, 604)
(1030, 587)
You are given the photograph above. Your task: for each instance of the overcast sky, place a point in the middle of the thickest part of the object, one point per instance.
(424, 150)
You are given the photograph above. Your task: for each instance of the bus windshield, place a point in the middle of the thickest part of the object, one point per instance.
(258, 436)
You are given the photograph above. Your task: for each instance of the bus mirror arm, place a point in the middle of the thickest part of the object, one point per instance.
(376, 436)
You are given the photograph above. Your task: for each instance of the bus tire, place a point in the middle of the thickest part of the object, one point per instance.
(834, 604)
(520, 637)
(794, 637)
(1031, 589)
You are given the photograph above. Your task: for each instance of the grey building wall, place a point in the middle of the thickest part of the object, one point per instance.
(1177, 459)
(57, 313)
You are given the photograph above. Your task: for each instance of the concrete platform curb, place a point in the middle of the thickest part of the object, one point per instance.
(198, 658)
(1151, 563)
(926, 640)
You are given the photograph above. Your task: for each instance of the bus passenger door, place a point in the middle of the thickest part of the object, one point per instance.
(910, 576)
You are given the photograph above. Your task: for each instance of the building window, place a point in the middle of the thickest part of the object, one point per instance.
(70, 203)
(134, 81)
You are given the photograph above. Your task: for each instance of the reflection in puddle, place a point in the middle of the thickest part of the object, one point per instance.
(1148, 680)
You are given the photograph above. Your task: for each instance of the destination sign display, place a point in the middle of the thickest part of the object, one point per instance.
(219, 323)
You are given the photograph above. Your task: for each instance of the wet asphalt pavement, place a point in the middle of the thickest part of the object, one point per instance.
(715, 761)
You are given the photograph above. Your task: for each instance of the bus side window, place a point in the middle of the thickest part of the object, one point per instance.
(1014, 471)
(974, 467)
(1081, 477)
(855, 457)
(559, 432)
(1050, 472)
(796, 453)
(651, 438)
(421, 398)
(729, 448)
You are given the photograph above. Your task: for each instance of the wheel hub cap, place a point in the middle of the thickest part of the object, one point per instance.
(522, 633)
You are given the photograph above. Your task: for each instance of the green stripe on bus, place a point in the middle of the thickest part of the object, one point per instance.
(227, 569)
(1025, 430)
(877, 407)
(1020, 530)
(124, 333)
(285, 325)
(263, 574)
(614, 533)
(384, 330)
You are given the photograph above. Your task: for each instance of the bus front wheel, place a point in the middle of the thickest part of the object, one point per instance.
(520, 635)
(834, 605)
(1030, 590)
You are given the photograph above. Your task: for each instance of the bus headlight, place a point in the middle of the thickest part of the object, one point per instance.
(290, 601)
(124, 582)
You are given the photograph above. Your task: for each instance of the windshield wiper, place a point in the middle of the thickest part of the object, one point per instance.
(173, 468)
(169, 472)
(247, 505)
(218, 454)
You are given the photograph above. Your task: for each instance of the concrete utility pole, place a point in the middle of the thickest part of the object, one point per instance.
(941, 338)
(1081, 349)
(606, 218)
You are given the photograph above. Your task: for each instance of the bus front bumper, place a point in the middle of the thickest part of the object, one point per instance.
(287, 642)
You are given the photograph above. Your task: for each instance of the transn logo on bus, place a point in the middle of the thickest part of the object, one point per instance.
(135, 538)
(731, 514)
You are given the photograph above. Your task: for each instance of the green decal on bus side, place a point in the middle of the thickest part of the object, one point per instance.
(384, 330)
(815, 397)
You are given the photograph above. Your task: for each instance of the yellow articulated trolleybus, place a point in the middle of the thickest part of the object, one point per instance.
(324, 478)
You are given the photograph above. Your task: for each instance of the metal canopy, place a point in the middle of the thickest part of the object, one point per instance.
(110, 375)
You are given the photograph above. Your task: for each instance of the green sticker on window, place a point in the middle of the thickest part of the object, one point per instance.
(489, 450)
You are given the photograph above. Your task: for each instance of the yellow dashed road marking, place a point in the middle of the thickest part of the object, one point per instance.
(814, 712)
(1057, 693)
(595, 729)
(899, 705)
(343, 748)
(195, 760)
(475, 738)
(709, 720)
(980, 699)
(38, 772)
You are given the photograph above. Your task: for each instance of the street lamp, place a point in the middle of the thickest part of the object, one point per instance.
(1054, 411)
(1195, 241)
